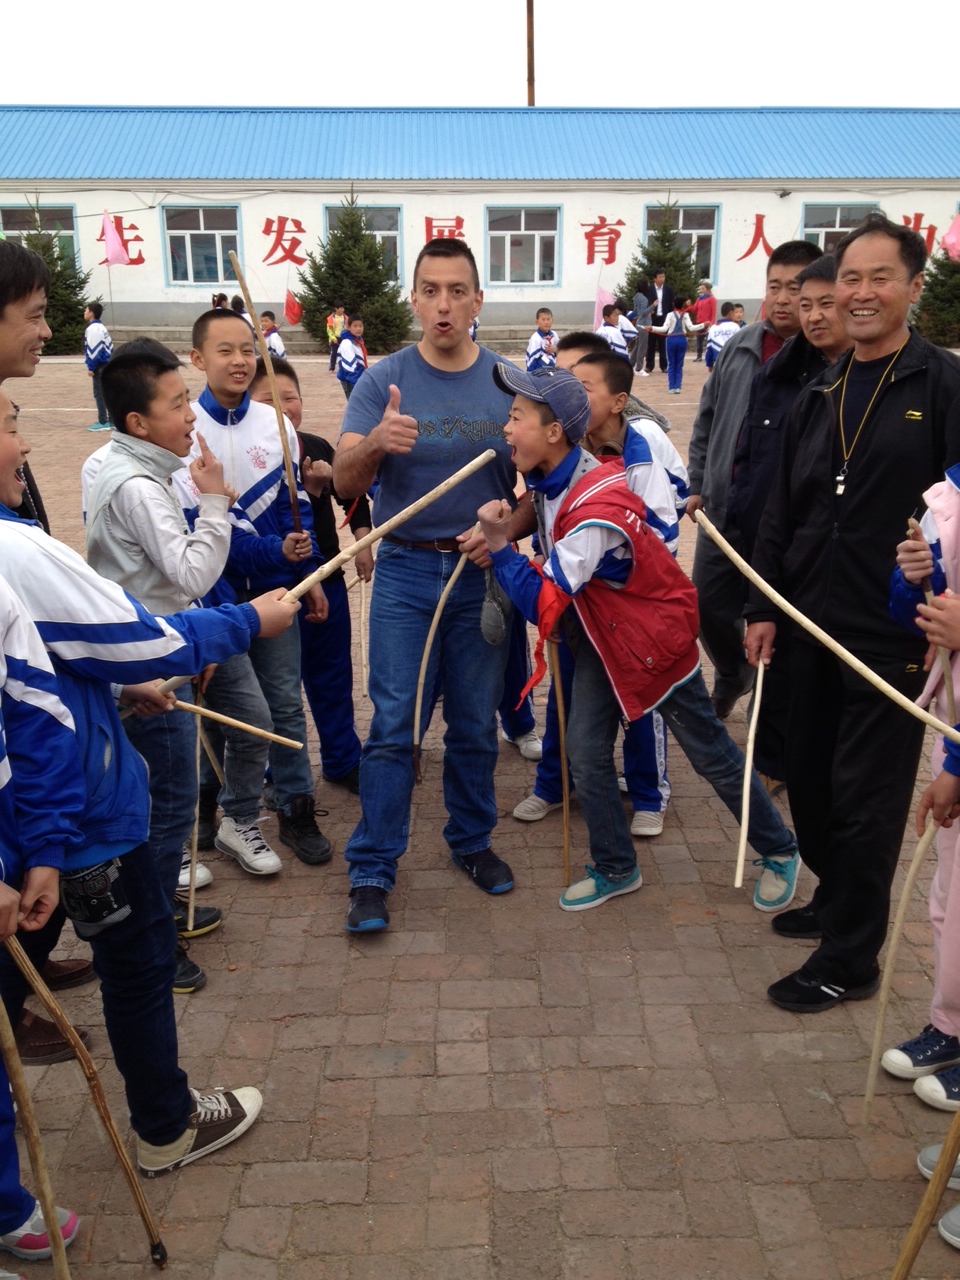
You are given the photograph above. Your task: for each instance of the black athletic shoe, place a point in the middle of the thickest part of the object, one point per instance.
(801, 922)
(486, 870)
(804, 992)
(205, 919)
(368, 910)
(349, 780)
(299, 830)
(189, 976)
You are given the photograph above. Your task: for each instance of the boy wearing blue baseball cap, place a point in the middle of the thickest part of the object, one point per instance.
(632, 626)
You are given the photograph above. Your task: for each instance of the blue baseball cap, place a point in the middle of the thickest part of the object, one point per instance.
(558, 389)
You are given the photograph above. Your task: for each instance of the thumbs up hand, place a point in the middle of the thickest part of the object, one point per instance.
(396, 432)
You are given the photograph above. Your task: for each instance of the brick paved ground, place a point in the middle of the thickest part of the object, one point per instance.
(495, 1088)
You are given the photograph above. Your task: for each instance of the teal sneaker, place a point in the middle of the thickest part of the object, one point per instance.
(596, 888)
(777, 883)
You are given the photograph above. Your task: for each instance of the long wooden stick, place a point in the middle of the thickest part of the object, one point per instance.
(553, 655)
(207, 745)
(363, 637)
(394, 522)
(425, 660)
(889, 968)
(31, 1131)
(274, 395)
(165, 686)
(158, 1251)
(930, 1202)
(914, 531)
(747, 776)
(237, 724)
(826, 640)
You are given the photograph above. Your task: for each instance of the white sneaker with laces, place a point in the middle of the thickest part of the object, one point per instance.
(646, 823)
(528, 744)
(532, 809)
(218, 1118)
(203, 878)
(248, 846)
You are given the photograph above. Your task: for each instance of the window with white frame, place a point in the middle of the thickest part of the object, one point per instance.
(18, 221)
(522, 245)
(696, 228)
(199, 240)
(827, 224)
(381, 222)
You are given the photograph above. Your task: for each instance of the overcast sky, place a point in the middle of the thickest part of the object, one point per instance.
(415, 53)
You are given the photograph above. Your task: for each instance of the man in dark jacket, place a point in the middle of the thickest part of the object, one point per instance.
(861, 446)
(660, 295)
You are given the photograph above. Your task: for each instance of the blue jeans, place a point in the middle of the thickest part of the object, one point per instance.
(234, 691)
(168, 744)
(277, 665)
(134, 960)
(102, 415)
(516, 719)
(407, 586)
(16, 1203)
(676, 354)
(327, 671)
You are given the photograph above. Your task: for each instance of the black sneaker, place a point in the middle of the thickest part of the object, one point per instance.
(486, 870)
(189, 976)
(804, 992)
(351, 780)
(801, 922)
(368, 910)
(299, 830)
(205, 919)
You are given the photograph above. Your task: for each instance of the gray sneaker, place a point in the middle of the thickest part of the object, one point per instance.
(949, 1226)
(927, 1162)
(247, 845)
(532, 809)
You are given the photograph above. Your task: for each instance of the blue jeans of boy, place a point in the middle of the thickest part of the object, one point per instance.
(407, 586)
(134, 960)
(235, 691)
(102, 415)
(326, 668)
(516, 719)
(676, 354)
(277, 665)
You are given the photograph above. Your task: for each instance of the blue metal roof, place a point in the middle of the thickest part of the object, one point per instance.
(518, 144)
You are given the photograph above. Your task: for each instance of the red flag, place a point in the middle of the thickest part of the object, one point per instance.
(117, 255)
(292, 310)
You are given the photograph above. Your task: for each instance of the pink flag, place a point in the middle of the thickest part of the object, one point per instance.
(950, 243)
(117, 255)
(604, 299)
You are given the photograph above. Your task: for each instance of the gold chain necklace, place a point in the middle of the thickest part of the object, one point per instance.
(841, 479)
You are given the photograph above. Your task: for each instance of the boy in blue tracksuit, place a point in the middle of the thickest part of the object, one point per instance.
(99, 641)
(97, 350)
(351, 355)
(542, 347)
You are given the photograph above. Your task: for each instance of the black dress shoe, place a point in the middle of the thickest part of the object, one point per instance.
(801, 922)
(804, 992)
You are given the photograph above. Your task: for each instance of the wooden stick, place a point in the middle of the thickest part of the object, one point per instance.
(158, 1251)
(237, 724)
(826, 640)
(930, 1202)
(165, 686)
(274, 394)
(553, 654)
(215, 764)
(914, 531)
(747, 778)
(424, 661)
(889, 968)
(363, 638)
(192, 887)
(353, 582)
(31, 1132)
(394, 522)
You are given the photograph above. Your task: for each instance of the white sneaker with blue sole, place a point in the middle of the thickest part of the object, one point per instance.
(777, 884)
(596, 888)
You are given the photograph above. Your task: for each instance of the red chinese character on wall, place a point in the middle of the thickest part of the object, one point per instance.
(916, 224)
(759, 240)
(601, 237)
(442, 229)
(123, 230)
(285, 243)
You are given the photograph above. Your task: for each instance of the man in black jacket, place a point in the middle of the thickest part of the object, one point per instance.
(661, 295)
(861, 446)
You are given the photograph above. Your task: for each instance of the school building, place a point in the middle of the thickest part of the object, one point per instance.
(552, 201)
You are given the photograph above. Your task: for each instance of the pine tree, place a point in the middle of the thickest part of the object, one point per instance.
(938, 311)
(663, 251)
(68, 292)
(350, 268)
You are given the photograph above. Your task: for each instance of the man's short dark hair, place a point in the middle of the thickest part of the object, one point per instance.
(913, 251)
(659, 272)
(794, 253)
(824, 268)
(617, 373)
(447, 249)
(282, 368)
(728, 308)
(95, 309)
(583, 340)
(129, 378)
(22, 272)
(201, 326)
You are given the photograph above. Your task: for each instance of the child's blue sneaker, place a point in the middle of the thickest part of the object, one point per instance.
(777, 883)
(924, 1055)
(596, 888)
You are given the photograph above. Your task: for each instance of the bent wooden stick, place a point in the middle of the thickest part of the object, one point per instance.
(826, 640)
(274, 395)
(31, 1131)
(207, 714)
(158, 1251)
(165, 686)
(553, 653)
(747, 772)
(889, 968)
(394, 522)
(930, 1202)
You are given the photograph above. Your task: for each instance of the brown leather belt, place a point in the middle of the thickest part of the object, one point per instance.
(438, 544)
